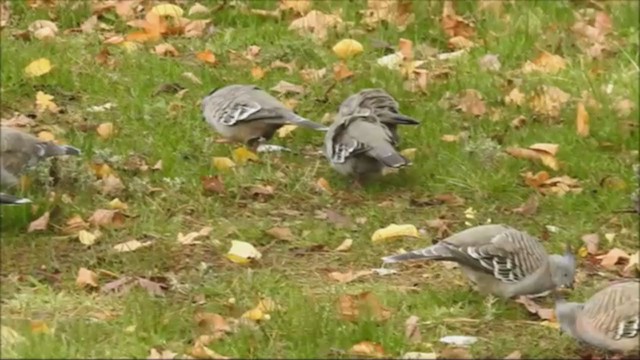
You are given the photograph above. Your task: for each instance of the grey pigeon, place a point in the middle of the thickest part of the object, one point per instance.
(7, 199)
(609, 320)
(19, 150)
(247, 114)
(500, 260)
(383, 106)
(360, 145)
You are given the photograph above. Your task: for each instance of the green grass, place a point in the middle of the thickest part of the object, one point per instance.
(39, 269)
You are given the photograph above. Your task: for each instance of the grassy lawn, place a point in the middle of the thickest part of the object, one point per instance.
(57, 318)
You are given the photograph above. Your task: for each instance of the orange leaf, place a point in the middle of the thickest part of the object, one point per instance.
(582, 121)
(207, 57)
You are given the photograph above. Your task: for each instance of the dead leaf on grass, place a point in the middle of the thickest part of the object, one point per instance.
(212, 324)
(412, 331)
(582, 121)
(534, 308)
(611, 258)
(40, 224)
(367, 349)
(131, 245)
(165, 354)
(350, 276)
(591, 241)
(191, 237)
(86, 277)
(107, 218)
(281, 233)
(529, 208)
(352, 307)
(394, 231)
(345, 245)
(213, 184)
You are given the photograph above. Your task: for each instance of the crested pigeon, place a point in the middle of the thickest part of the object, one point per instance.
(360, 145)
(7, 199)
(19, 150)
(609, 320)
(247, 114)
(500, 260)
(383, 106)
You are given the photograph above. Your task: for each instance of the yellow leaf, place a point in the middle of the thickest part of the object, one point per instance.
(222, 163)
(394, 231)
(130, 46)
(583, 252)
(582, 121)
(39, 327)
(46, 136)
(546, 147)
(105, 130)
(101, 171)
(410, 153)
(38, 67)
(257, 72)
(254, 314)
(347, 48)
(242, 155)
(116, 204)
(345, 246)
(167, 10)
(450, 138)
(286, 130)
(86, 237)
(242, 252)
(44, 102)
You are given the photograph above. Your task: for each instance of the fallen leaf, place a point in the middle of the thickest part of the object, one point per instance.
(222, 163)
(152, 287)
(131, 245)
(243, 155)
(40, 224)
(460, 42)
(87, 238)
(450, 138)
(397, 13)
(347, 48)
(412, 355)
(200, 351)
(38, 67)
(74, 225)
(257, 72)
(470, 102)
(455, 353)
(261, 311)
(43, 29)
(281, 233)
(196, 28)
(298, 6)
(284, 131)
(459, 340)
(634, 261)
(165, 50)
(412, 331)
(212, 324)
(192, 77)
(529, 208)
(212, 184)
(107, 218)
(167, 10)
(39, 327)
(515, 97)
(322, 185)
(610, 259)
(591, 241)
(198, 8)
(105, 130)
(284, 87)
(549, 101)
(44, 102)
(352, 307)
(582, 121)
(190, 238)
(341, 71)
(9, 337)
(535, 308)
(546, 62)
(516, 355)
(454, 25)
(368, 349)
(242, 252)
(161, 355)
(111, 185)
(409, 154)
(86, 277)
(207, 56)
(315, 24)
(345, 245)
(344, 278)
(490, 62)
(394, 231)
(624, 107)
(46, 136)
(534, 154)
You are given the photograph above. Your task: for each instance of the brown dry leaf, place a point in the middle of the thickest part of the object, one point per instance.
(212, 324)
(551, 149)
(529, 208)
(316, 24)
(490, 62)
(281, 233)
(261, 190)
(18, 120)
(165, 50)
(341, 71)
(530, 154)
(610, 259)
(454, 25)
(313, 75)
(257, 72)
(39, 327)
(200, 351)
(591, 241)
(207, 57)
(515, 97)
(546, 63)
(191, 237)
(131, 245)
(74, 225)
(441, 226)
(624, 107)
(284, 87)
(152, 287)
(454, 352)
(89, 25)
(43, 29)
(195, 28)
(470, 102)
(87, 277)
(5, 18)
(516, 355)
(290, 67)
(351, 307)
(105, 130)
(395, 12)
(412, 331)
(549, 101)
(39, 224)
(344, 278)
(198, 8)
(367, 349)
(212, 184)
(582, 121)
(107, 218)
(111, 185)
(460, 43)
(345, 245)
(534, 308)
(297, 6)
(633, 265)
(161, 355)
(322, 185)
